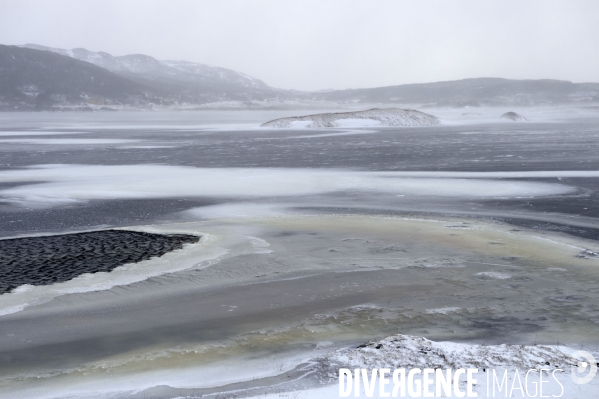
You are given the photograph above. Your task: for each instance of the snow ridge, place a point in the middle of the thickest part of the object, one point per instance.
(379, 116)
(405, 351)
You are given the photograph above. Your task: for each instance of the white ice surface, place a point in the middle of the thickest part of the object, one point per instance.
(236, 211)
(110, 385)
(494, 275)
(142, 147)
(28, 133)
(166, 127)
(346, 133)
(446, 310)
(69, 183)
(67, 141)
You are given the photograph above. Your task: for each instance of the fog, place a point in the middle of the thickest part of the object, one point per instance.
(311, 45)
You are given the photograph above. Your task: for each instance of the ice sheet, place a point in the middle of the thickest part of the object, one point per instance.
(346, 133)
(68, 183)
(237, 210)
(142, 147)
(67, 141)
(27, 133)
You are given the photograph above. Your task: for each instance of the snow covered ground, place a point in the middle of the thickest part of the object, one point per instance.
(492, 362)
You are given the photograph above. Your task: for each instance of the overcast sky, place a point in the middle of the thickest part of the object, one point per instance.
(324, 44)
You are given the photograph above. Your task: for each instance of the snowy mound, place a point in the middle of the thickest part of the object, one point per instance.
(405, 351)
(501, 369)
(513, 116)
(371, 117)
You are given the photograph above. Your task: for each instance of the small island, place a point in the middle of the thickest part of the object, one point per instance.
(367, 118)
(513, 116)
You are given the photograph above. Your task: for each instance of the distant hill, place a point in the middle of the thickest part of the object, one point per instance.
(473, 92)
(189, 82)
(36, 80)
(34, 77)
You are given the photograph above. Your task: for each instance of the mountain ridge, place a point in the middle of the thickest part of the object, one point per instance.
(473, 92)
(142, 81)
(193, 82)
(38, 80)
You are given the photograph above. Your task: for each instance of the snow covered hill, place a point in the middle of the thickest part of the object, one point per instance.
(40, 80)
(196, 81)
(503, 370)
(371, 117)
(412, 352)
(472, 93)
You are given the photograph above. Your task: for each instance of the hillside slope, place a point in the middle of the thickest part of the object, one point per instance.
(473, 92)
(35, 80)
(191, 82)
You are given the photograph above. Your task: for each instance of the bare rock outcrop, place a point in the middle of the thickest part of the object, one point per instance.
(513, 116)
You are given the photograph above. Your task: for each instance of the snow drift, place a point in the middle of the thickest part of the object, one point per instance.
(371, 117)
(418, 352)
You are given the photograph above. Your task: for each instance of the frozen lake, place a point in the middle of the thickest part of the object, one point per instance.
(477, 230)
(205, 144)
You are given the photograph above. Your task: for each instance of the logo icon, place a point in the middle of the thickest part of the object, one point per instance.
(588, 362)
